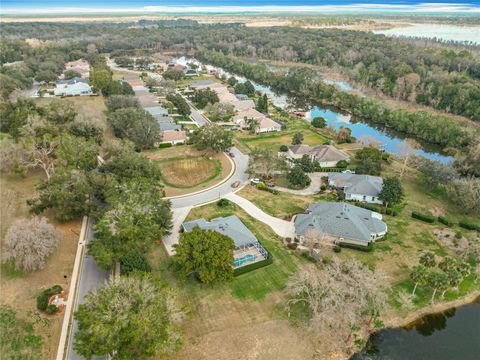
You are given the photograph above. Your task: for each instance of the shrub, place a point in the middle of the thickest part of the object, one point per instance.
(337, 249)
(254, 266)
(134, 260)
(423, 217)
(342, 164)
(42, 298)
(164, 145)
(469, 226)
(283, 148)
(263, 187)
(458, 235)
(223, 203)
(51, 309)
(323, 187)
(292, 246)
(445, 221)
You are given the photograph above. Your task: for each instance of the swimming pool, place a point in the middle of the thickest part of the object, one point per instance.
(243, 260)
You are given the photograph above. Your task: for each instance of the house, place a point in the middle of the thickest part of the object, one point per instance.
(156, 110)
(64, 83)
(173, 137)
(326, 155)
(340, 223)
(241, 105)
(247, 248)
(364, 188)
(190, 72)
(75, 89)
(265, 124)
(166, 124)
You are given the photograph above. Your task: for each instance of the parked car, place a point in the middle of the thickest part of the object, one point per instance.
(270, 184)
(348, 171)
(256, 181)
(231, 154)
(235, 184)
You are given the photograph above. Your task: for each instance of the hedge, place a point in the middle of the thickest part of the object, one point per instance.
(164, 145)
(262, 186)
(335, 169)
(469, 226)
(247, 268)
(423, 217)
(42, 299)
(377, 208)
(445, 221)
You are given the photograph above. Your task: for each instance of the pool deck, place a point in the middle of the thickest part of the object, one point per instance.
(238, 254)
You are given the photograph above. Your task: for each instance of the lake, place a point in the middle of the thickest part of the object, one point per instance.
(449, 335)
(439, 31)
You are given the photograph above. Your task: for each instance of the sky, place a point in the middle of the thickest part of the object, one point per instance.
(178, 6)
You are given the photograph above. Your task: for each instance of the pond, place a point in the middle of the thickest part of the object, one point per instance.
(391, 141)
(449, 335)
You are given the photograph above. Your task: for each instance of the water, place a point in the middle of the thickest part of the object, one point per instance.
(438, 31)
(391, 140)
(450, 335)
(243, 260)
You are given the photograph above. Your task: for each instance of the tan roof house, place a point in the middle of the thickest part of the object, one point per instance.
(173, 137)
(265, 124)
(326, 155)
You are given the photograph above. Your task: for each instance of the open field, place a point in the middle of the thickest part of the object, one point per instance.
(244, 318)
(18, 289)
(186, 170)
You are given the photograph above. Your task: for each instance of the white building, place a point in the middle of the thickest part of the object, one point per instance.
(364, 188)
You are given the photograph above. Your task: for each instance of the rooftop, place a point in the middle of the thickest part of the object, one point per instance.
(340, 220)
(357, 184)
(174, 136)
(230, 226)
(321, 152)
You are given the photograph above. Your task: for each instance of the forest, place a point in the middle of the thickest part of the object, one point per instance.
(443, 76)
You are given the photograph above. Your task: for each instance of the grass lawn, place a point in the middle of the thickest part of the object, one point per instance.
(185, 169)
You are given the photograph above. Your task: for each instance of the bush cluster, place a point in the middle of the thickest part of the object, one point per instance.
(134, 260)
(445, 221)
(469, 226)
(223, 203)
(423, 217)
(262, 186)
(378, 208)
(164, 145)
(42, 299)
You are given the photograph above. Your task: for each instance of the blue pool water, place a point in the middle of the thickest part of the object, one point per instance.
(243, 260)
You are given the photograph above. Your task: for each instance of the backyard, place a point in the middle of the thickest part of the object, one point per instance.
(184, 169)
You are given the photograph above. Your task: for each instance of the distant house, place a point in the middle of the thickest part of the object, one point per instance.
(364, 188)
(173, 137)
(326, 155)
(190, 72)
(73, 87)
(241, 105)
(265, 124)
(81, 66)
(156, 110)
(248, 250)
(340, 223)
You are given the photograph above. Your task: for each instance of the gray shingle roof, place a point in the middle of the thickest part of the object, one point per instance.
(156, 110)
(340, 220)
(321, 152)
(357, 184)
(168, 126)
(230, 226)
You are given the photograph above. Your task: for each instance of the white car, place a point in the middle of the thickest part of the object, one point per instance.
(256, 181)
(348, 171)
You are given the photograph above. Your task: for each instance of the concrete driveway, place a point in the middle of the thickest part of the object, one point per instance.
(312, 189)
(281, 227)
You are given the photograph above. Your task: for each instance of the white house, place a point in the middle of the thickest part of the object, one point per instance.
(364, 188)
(326, 155)
(75, 89)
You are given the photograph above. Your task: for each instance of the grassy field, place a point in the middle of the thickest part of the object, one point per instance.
(185, 170)
(223, 316)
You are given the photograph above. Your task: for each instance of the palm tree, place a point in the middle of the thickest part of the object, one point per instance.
(437, 280)
(427, 259)
(418, 275)
(252, 124)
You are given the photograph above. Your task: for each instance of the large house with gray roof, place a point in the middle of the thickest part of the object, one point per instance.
(248, 249)
(341, 223)
(364, 188)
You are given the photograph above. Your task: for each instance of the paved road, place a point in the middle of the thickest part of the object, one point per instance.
(241, 165)
(91, 276)
(196, 115)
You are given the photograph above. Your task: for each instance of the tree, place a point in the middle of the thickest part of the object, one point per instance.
(298, 178)
(219, 111)
(117, 102)
(232, 81)
(465, 194)
(136, 125)
(39, 152)
(88, 129)
(252, 124)
(70, 74)
(297, 138)
(203, 97)
(126, 164)
(72, 193)
(427, 259)
(179, 102)
(46, 76)
(344, 135)
(437, 281)
(174, 75)
(249, 88)
(262, 104)
(370, 161)
(212, 138)
(392, 191)
(29, 242)
(264, 161)
(137, 216)
(77, 153)
(60, 111)
(131, 318)
(407, 149)
(319, 122)
(206, 254)
(418, 276)
(14, 115)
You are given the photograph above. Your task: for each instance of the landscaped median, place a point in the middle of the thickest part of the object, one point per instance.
(185, 170)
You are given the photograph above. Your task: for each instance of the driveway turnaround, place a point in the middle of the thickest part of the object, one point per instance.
(312, 189)
(280, 227)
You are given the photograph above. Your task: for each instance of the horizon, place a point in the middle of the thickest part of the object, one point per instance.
(152, 7)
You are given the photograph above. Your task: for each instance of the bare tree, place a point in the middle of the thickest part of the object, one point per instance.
(29, 242)
(11, 156)
(369, 141)
(407, 149)
(312, 239)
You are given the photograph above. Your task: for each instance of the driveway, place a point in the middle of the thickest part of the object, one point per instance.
(281, 227)
(312, 189)
(178, 217)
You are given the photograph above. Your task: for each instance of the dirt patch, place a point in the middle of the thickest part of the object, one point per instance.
(447, 237)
